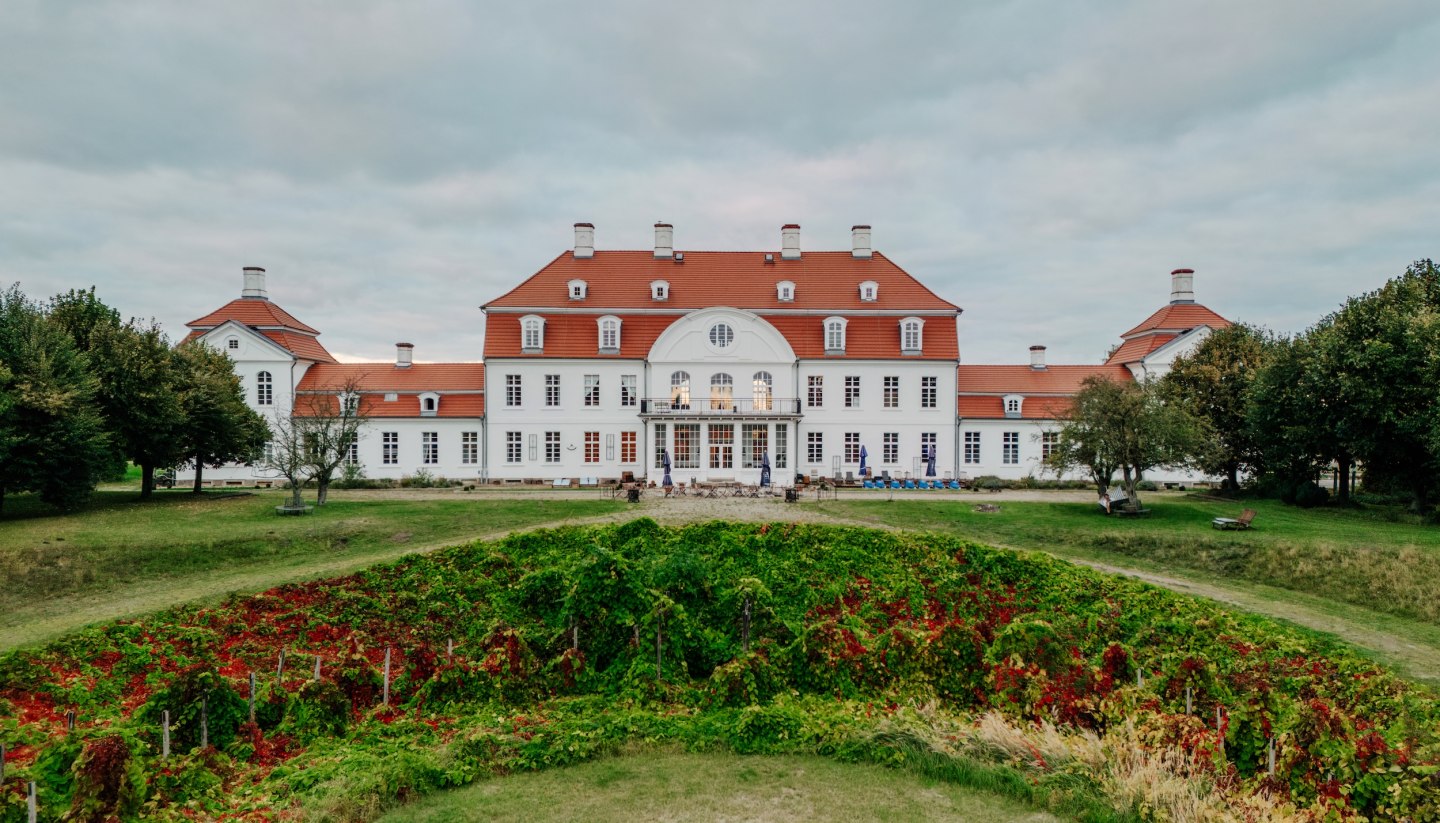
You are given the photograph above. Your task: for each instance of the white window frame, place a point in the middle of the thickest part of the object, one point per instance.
(815, 448)
(869, 291)
(815, 391)
(429, 404)
(785, 291)
(514, 390)
(680, 389)
(1010, 448)
(891, 392)
(852, 391)
(430, 448)
(514, 447)
(628, 396)
(608, 328)
(891, 453)
(532, 334)
(577, 289)
(390, 448)
(592, 390)
(929, 391)
(552, 447)
(659, 290)
(835, 335)
(552, 391)
(912, 335)
(264, 389)
(972, 448)
(469, 448)
(762, 391)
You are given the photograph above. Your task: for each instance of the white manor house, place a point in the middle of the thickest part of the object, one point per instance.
(604, 361)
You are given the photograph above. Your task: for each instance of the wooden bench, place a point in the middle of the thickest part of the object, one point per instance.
(560, 483)
(1234, 523)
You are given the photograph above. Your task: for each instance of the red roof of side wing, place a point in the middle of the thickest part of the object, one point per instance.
(1179, 317)
(252, 312)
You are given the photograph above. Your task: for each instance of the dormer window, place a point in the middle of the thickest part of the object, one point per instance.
(609, 335)
(532, 334)
(834, 335)
(429, 404)
(349, 403)
(1013, 403)
(659, 290)
(577, 289)
(785, 291)
(232, 343)
(869, 291)
(911, 335)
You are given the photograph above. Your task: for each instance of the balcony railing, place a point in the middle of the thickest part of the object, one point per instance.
(716, 405)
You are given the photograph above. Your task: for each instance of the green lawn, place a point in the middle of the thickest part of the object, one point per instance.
(121, 557)
(714, 787)
(1365, 568)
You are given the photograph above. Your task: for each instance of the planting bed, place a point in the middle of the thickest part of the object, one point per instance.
(1017, 673)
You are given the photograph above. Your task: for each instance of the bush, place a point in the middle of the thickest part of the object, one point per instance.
(1146, 486)
(1309, 495)
(990, 483)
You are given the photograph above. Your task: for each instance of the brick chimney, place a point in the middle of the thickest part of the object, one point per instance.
(664, 240)
(1182, 286)
(254, 284)
(860, 242)
(790, 242)
(403, 354)
(1037, 358)
(584, 240)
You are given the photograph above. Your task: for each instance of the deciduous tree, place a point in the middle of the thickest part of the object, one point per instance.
(1213, 384)
(219, 426)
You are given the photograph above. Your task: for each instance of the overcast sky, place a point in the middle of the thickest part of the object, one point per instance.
(396, 164)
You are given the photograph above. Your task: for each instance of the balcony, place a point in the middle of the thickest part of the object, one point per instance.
(715, 406)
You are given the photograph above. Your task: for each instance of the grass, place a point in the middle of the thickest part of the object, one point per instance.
(675, 786)
(122, 557)
(1364, 568)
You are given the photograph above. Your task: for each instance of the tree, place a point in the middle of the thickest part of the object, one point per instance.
(330, 420)
(219, 426)
(286, 454)
(1213, 384)
(1383, 349)
(52, 435)
(1123, 426)
(141, 383)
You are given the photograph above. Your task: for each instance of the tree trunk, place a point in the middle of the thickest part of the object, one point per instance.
(1133, 497)
(147, 480)
(322, 490)
(1342, 493)
(1232, 477)
(199, 469)
(295, 501)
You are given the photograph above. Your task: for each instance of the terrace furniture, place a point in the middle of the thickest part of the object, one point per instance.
(1234, 523)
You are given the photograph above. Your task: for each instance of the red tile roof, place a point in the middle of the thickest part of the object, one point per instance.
(1179, 317)
(1132, 351)
(251, 312)
(302, 346)
(404, 405)
(866, 336)
(993, 408)
(576, 335)
(825, 280)
(384, 377)
(1023, 380)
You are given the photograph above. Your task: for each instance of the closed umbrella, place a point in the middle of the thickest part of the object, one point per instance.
(765, 469)
(863, 454)
(665, 462)
(930, 463)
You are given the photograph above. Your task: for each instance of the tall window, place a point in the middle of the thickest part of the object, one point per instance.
(628, 450)
(763, 389)
(429, 448)
(852, 447)
(264, 389)
(469, 448)
(972, 447)
(910, 335)
(609, 335)
(592, 447)
(532, 334)
(687, 446)
(592, 389)
(852, 392)
(891, 454)
(552, 447)
(722, 392)
(1010, 448)
(892, 392)
(512, 390)
(835, 335)
(390, 448)
(927, 444)
(722, 446)
(552, 389)
(513, 443)
(927, 392)
(754, 442)
(660, 446)
(1049, 442)
(815, 447)
(352, 451)
(782, 445)
(817, 391)
(627, 390)
(680, 389)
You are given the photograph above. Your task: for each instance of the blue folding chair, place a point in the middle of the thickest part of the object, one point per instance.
(909, 484)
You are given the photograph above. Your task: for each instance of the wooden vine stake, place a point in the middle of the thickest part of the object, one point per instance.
(385, 695)
(316, 678)
(280, 666)
(1219, 731)
(745, 626)
(659, 627)
(165, 735)
(1189, 707)
(32, 812)
(1270, 756)
(2, 762)
(1139, 679)
(449, 647)
(252, 697)
(204, 725)
(70, 720)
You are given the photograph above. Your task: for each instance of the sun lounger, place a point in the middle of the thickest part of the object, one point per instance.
(1234, 523)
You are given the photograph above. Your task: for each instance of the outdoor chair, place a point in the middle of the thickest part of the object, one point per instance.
(909, 484)
(1233, 523)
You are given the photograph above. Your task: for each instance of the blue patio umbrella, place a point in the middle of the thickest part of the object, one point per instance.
(930, 463)
(665, 462)
(765, 469)
(863, 454)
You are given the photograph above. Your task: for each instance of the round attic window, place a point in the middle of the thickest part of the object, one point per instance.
(721, 335)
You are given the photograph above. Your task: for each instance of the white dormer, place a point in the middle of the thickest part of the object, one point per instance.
(785, 291)
(429, 404)
(912, 335)
(659, 290)
(609, 330)
(1013, 404)
(578, 289)
(869, 291)
(835, 335)
(532, 334)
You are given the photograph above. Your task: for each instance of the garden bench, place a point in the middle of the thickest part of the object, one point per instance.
(1234, 523)
(561, 483)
